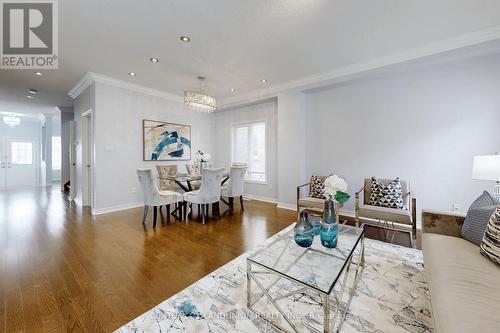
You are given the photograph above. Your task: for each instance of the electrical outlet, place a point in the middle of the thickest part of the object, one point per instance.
(456, 207)
(133, 190)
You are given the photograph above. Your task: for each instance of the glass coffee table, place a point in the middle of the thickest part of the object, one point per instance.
(329, 276)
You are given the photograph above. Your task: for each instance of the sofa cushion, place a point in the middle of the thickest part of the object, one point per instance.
(463, 285)
(312, 202)
(385, 214)
(478, 216)
(490, 246)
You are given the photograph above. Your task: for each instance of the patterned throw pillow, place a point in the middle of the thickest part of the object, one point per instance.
(490, 246)
(317, 188)
(390, 196)
(478, 216)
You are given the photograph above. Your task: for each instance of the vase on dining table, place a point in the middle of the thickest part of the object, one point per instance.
(329, 225)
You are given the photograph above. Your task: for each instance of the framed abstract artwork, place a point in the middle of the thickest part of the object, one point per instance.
(164, 141)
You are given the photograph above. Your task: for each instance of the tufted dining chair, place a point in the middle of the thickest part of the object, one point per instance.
(194, 170)
(165, 171)
(154, 197)
(235, 186)
(209, 192)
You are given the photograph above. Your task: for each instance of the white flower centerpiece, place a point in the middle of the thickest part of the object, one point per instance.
(202, 157)
(335, 189)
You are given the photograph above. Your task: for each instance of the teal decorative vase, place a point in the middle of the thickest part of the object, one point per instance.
(329, 226)
(303, 232)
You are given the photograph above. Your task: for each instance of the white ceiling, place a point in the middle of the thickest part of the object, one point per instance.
(236, 43)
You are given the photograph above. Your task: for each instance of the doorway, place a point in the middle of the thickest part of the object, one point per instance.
(87, 160)
(18, 164)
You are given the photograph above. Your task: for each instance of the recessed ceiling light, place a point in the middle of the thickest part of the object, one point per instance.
(33, 91)
(154, 59)
(263, 80)
(233, 90)
(132, 74)
(30, 96)
(38, 73)
(185, 39)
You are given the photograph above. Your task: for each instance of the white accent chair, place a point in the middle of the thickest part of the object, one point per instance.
(209, 192)
(153, 196)
(235, 186)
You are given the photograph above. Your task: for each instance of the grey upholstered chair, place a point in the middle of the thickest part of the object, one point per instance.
(194, 170)
(209, 192)
(154, 197)
(235, 186)
(384, 216)
(166, 171)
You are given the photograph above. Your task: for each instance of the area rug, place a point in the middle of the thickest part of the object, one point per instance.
(391, 296)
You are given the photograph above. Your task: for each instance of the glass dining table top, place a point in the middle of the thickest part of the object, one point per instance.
(317, 267)
(188, 178)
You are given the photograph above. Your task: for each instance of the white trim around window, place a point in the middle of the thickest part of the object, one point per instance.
(246, 157)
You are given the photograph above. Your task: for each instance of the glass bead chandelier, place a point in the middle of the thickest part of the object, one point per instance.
(199, 100)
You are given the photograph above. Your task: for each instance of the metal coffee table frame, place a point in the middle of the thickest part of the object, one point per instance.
(328, 326)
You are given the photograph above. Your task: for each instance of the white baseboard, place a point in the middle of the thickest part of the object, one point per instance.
(259, 198)
(287, 206)
(112, 209)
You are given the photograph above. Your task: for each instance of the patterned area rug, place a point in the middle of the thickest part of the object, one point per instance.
(392, 296)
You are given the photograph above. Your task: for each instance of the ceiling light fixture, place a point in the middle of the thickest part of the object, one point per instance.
(30, 96)
(185, 39)
(200, 100)
(263, 81)
(154, 59)
(38, 73)
(132, 74)
(33, 91)
(233, 90)
(11, 120)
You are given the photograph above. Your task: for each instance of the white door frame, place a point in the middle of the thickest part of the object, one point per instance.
(72, 160)
(88, 195)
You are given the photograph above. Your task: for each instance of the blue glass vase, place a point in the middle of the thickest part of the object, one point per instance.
(329, 226)
(303, 233)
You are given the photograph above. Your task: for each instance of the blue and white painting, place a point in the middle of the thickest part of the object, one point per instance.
(166, 141)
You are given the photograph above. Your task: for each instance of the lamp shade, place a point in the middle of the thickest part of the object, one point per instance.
(486, 167)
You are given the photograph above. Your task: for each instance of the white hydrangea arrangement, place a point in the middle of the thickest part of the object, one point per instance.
(202, 156)
(335, 188)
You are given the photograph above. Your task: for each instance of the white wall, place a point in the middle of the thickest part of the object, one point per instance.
(67, 115)
(422, 125)
(119, 143)
(224, 120)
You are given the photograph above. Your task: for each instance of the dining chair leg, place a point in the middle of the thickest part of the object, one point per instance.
(161, 212)
(207, 210)
(202, 214)
(145, 214)
(241, 203)
(216, 211)
(231, 205)
(168, 213)
(199, 211)
(155, 212)
(185, 206)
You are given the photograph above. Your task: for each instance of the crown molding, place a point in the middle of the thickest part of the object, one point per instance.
(363, 68)
(91, 77)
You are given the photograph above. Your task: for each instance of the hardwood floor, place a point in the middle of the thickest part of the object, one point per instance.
(62, 270)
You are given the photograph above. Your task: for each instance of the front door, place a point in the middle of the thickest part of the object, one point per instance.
(18, 163)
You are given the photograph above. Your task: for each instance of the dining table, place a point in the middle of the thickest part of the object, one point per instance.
(184, 181)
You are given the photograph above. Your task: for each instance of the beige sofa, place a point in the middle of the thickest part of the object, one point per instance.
(464, 286)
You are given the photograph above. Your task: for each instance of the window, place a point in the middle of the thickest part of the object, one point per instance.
(249, 146)
(22, 152)
(56, 153)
